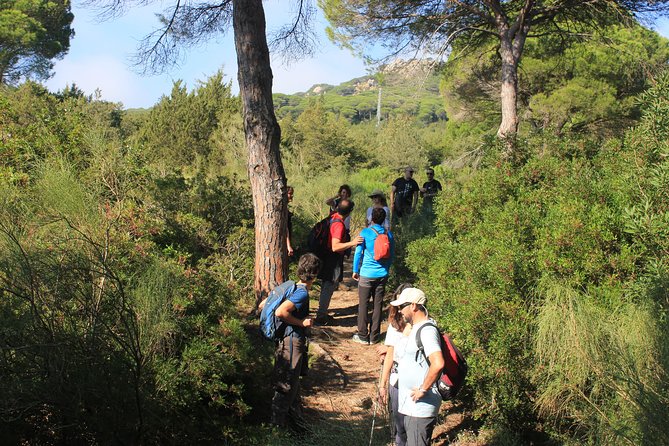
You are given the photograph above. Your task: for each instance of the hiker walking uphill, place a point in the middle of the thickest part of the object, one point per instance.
(371, 265)
(404, 195)
(332, 256)
(418, 370)
(290, 361)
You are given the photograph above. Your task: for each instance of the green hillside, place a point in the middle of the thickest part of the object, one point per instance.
(409, 88)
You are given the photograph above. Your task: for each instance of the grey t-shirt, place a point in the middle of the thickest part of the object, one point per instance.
(412, 373)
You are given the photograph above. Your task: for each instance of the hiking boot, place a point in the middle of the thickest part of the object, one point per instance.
(323, 319)
(359, 339)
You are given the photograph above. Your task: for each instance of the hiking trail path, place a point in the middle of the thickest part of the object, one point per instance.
(342, 385)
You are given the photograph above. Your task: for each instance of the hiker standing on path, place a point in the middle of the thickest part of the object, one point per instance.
(378, 201)
(397, 337)
(290, 359)
(344, 193)
(371, 269)
(418, 398)
(430, 189)
(332, 270)
(404, 195)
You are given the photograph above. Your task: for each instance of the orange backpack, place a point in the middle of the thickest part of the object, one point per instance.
(381, 245)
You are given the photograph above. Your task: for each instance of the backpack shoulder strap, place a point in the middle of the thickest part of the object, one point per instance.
(291, 287)
(383, 230)
(419, 342)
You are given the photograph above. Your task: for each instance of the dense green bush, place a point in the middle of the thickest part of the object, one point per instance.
(551, 273)
(123, 287)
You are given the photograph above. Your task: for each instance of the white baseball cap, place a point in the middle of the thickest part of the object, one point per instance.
(410, 296)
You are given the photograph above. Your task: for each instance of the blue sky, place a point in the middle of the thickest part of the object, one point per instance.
(100, 52)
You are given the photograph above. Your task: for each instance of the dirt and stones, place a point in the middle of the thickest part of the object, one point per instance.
(340, 391)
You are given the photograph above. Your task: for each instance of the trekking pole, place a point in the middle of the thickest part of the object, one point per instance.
(371, 434)
(376, 405)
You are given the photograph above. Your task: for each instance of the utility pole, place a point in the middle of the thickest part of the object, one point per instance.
(378, 108)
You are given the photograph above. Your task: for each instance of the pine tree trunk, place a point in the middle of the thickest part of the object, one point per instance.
(263, 135)
(509, 91)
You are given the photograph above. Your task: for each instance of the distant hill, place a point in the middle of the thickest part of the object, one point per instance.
(409, 87)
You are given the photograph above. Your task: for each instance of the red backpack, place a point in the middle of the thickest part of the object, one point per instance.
(381, 245)
(455, 366)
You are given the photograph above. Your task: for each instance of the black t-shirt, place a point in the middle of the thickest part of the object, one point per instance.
(404, 190)
(431, 188)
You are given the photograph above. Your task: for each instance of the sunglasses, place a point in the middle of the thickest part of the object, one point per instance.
(404, 305)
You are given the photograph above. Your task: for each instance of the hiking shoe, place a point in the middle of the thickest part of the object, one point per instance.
(324, 319)
(359, 339)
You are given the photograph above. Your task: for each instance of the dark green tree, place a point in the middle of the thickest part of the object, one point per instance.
(435, 25)
(32, 34)
(189, 23)
(588, 86)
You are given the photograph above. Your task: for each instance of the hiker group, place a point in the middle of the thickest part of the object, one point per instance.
(420, 366)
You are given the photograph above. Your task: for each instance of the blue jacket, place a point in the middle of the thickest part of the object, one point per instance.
(363, 261)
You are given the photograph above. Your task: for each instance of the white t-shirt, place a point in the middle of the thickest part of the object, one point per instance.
(412, 372)
(386, 222)
(398, 342)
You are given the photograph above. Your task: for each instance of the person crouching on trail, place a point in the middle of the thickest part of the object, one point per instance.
(290, 360)
(332, 270)
(418, 397)
(372, 276)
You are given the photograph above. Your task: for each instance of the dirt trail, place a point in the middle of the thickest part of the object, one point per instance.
(342, 383)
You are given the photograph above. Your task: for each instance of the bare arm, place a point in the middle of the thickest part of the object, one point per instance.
(385, 374)
(339, 246)
(289, 247)
(392, 199)
(284, 312)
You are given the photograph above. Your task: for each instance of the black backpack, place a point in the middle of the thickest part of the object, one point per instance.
(453, 375)
(319, 236)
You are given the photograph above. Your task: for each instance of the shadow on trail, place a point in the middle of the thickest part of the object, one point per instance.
(346, 317)
(352, 428)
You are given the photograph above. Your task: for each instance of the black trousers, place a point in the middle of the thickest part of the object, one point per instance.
(374, 289)
(290, 358)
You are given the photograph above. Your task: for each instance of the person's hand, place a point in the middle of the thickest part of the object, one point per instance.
(359, 240)
(383, 394)
(290, 251)
(307, 323)
(355, 276)
(381, 349)
(417, 394)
